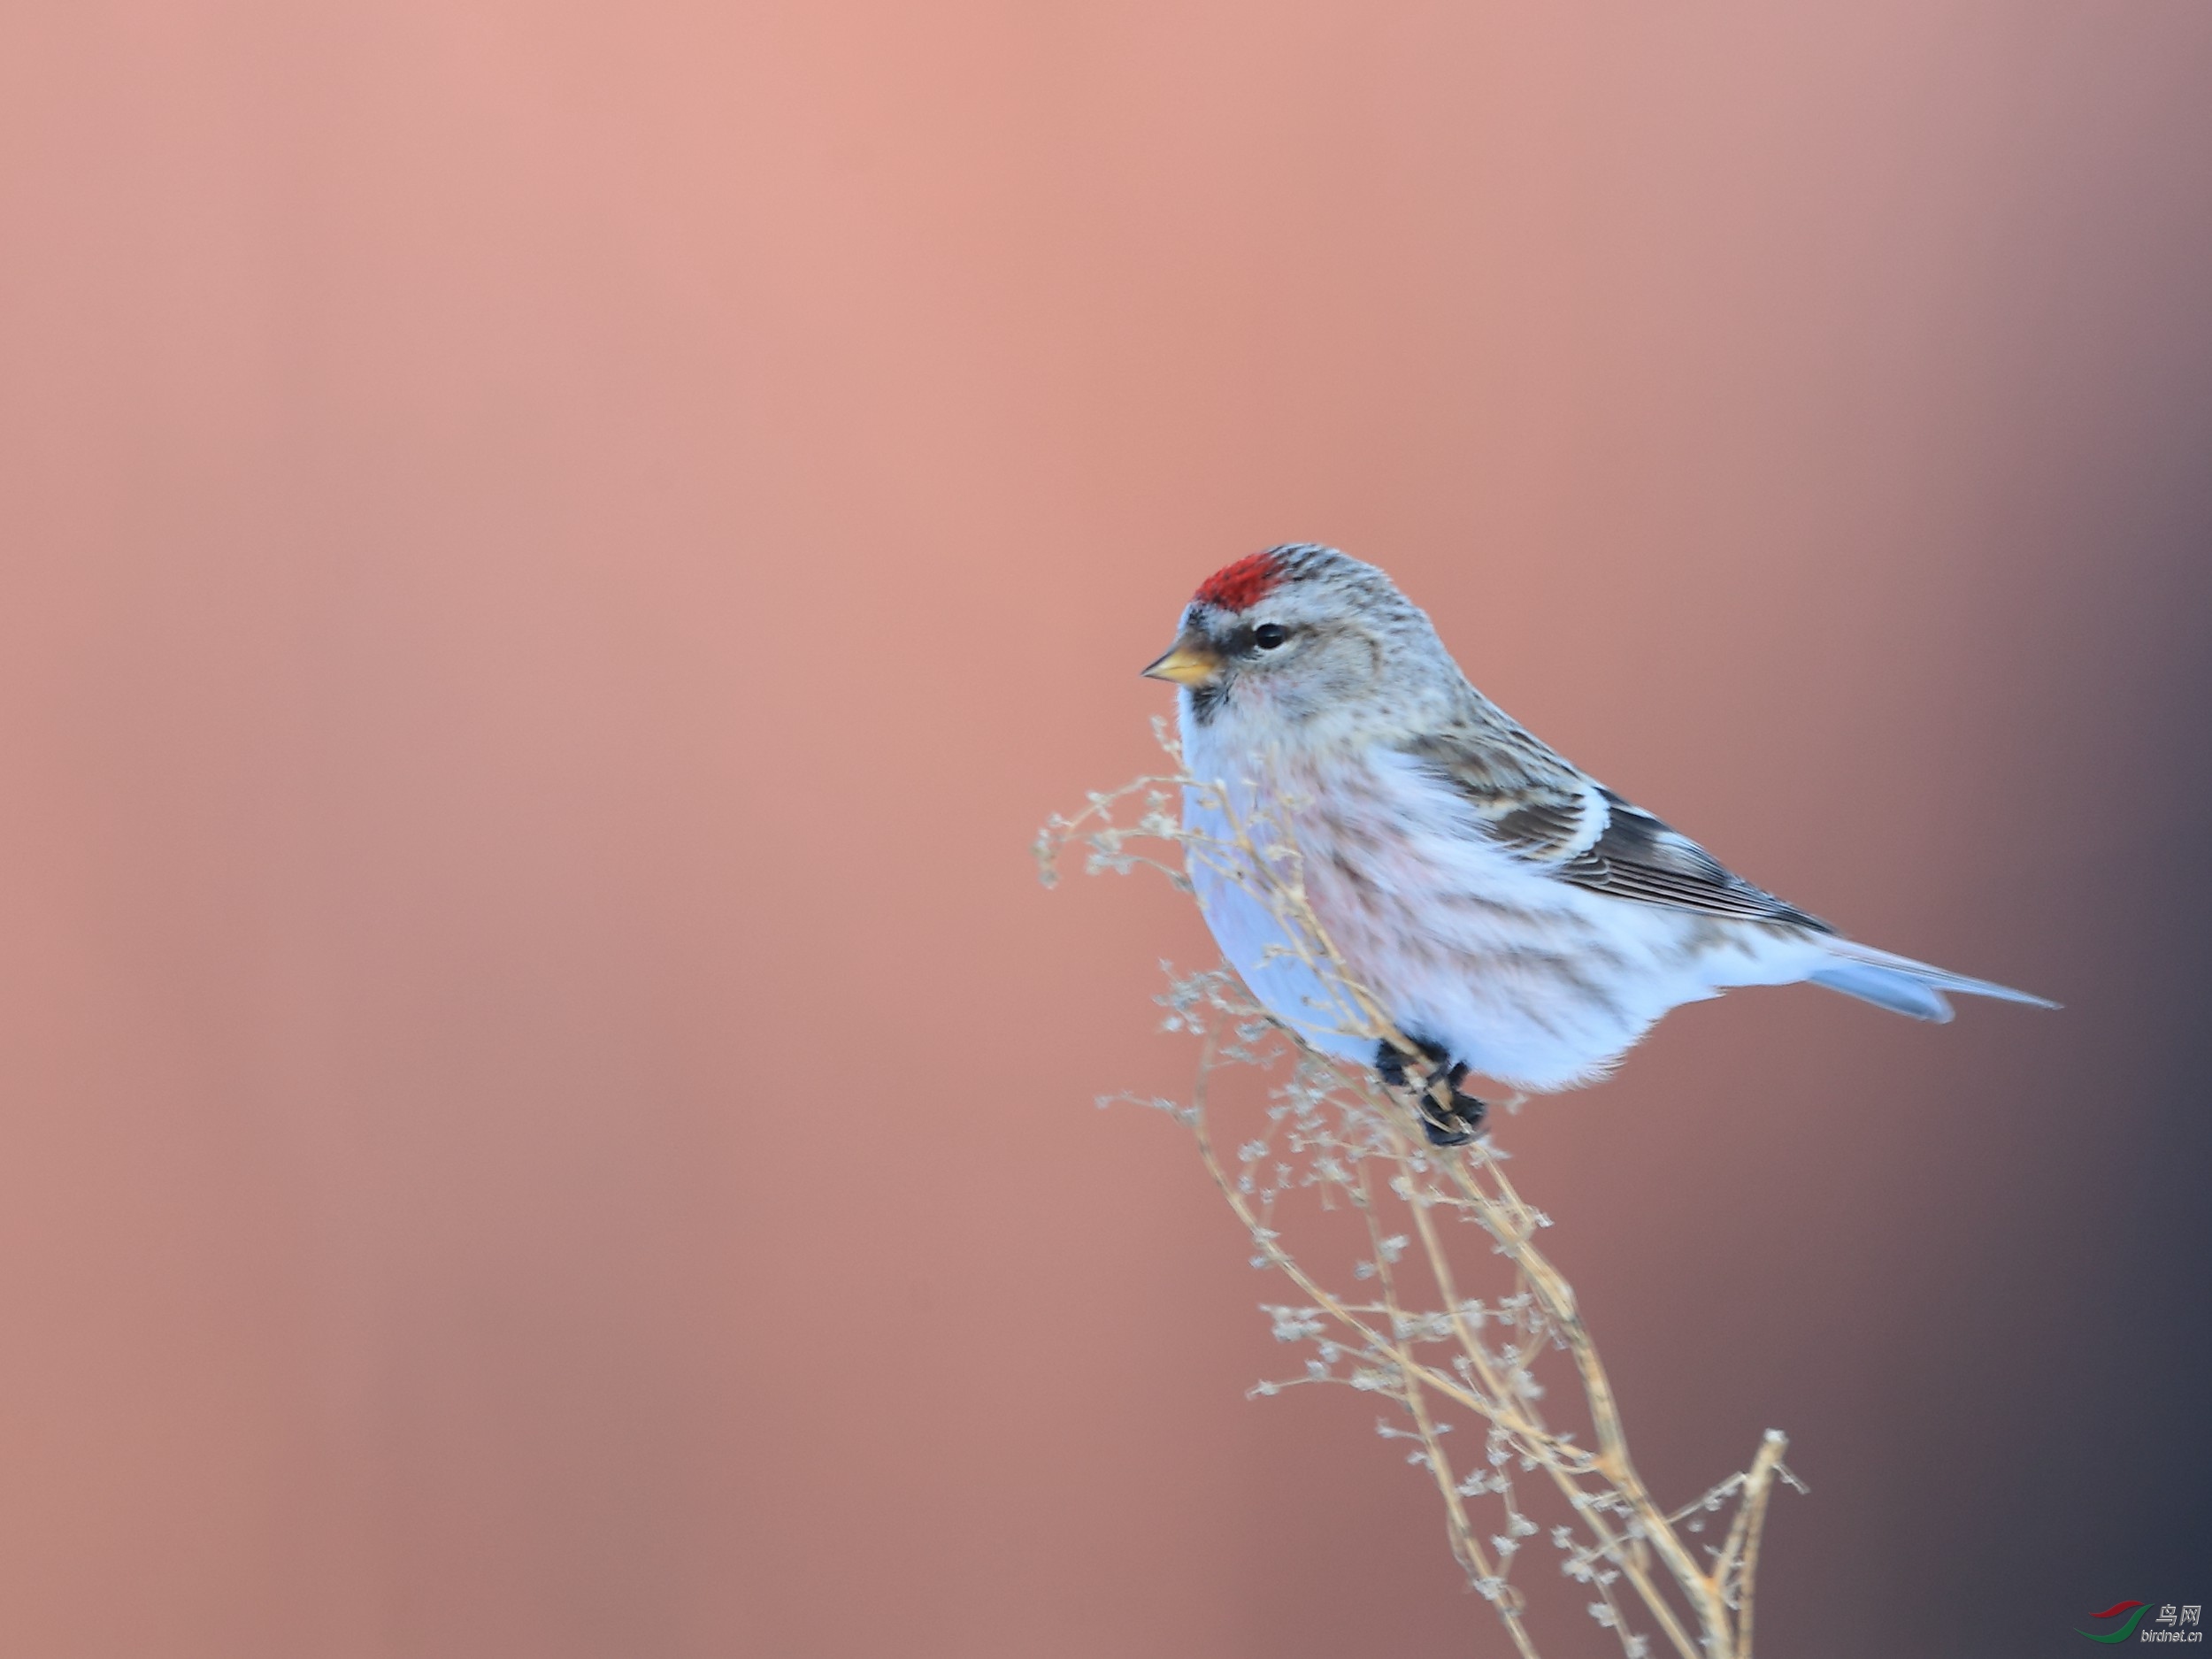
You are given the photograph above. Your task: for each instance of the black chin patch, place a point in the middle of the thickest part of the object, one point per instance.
(1205, 702)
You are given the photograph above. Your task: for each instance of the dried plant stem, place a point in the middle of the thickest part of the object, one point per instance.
(1352, 1138)
(1631, 1563)
(1612, 1462)
(1465, 1543)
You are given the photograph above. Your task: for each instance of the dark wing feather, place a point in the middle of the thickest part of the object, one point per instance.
(1527, 798)
(1640, 858)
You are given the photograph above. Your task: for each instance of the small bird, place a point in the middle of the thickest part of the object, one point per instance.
(1512, 915)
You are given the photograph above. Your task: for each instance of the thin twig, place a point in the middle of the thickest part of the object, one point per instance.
(1338, 1124)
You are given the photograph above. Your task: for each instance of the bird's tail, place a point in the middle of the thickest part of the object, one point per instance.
(1901, 985)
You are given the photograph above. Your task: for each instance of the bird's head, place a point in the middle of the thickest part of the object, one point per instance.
(1301, 637)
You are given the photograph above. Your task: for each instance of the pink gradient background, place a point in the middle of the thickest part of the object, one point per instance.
(556, 554)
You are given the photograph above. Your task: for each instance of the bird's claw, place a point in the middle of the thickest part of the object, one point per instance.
(1463, 1123)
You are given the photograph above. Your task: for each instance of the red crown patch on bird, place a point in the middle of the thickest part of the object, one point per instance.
(1243, 584)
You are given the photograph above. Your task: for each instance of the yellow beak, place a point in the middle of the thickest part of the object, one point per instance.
(1192, 663)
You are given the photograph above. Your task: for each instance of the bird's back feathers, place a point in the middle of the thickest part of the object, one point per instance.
(1544, 809)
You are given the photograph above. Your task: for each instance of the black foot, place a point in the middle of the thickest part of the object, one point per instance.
(1466, 1120)
(1467, 1113)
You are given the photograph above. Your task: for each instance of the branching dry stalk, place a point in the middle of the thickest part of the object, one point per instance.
(1341, 1158)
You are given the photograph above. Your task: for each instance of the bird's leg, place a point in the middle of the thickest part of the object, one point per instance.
(1463, 1122)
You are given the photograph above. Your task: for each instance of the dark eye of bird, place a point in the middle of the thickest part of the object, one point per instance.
(1267, 635)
